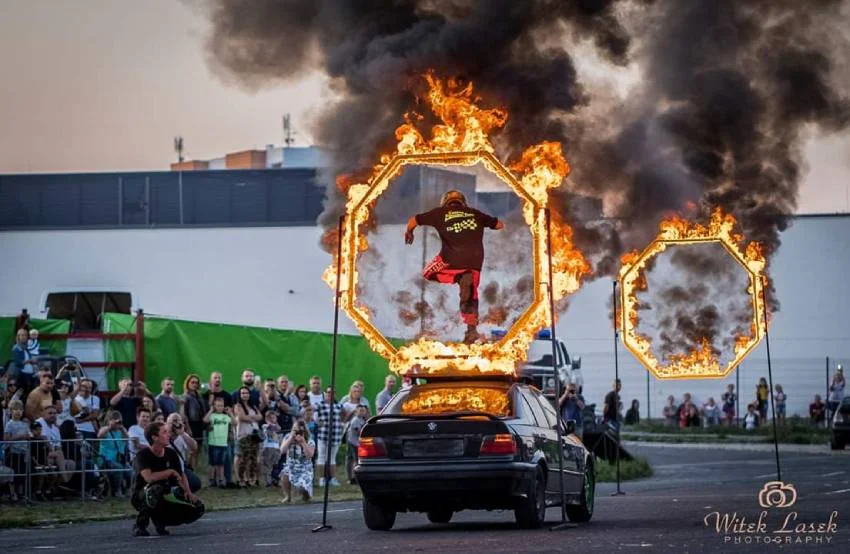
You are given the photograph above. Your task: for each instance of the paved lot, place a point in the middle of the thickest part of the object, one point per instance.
(664, 513)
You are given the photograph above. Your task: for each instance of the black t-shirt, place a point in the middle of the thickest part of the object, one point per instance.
(127, 406)
(461, 231)
(611, 408)
(146, 459)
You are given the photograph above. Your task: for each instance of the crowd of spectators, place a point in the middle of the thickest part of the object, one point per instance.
(272, 433)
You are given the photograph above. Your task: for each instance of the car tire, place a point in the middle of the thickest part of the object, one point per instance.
(583, 511)
(530, 513)
(836, 445)
(440, 516)
(377, 517)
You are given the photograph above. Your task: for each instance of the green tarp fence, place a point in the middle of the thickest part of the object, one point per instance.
(175, 348)
(54, 347)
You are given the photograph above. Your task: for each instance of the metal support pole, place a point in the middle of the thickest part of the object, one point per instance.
(324, 524)
(648, 415)
(616, 392)
(772, 402)
(826, 396)
(83, 474)
(738, 396)
(555, 374)
(180, 194)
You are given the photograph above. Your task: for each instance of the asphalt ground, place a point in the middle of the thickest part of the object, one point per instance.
(664, 513)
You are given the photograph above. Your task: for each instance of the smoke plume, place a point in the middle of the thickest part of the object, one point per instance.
(728, 92)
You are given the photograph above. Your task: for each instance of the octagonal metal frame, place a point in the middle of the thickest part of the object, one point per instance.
(359, 199)
(756, 289)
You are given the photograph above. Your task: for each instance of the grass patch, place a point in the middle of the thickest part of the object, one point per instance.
(636, 468)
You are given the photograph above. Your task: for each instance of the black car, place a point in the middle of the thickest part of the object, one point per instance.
(452, 445)
(840, 434)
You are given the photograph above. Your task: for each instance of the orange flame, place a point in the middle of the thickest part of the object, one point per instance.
(463, 138)
(702, 361)
(456, 399)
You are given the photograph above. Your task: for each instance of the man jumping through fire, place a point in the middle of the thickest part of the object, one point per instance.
(461, 256)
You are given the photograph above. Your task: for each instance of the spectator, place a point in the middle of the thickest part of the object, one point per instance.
(193, 413)
(671, 417)
(13, 392)
(309, 418)
(611, 407)
(315, 395)
(216, 391)
(158, 417)
(285, 406)
(88, 410)
(762, 395)
(329, 415)
(355, 424)
(270, 454)
(182, 442)
(298, 447)
(572, 405)
(711, 413)
(54, 440)
(127, 402)
(40, 397)
(114, 454)
(33, 346)
(78, 453)
(17, 429)
(751, 420)
(165, 400)
(836, 391)
(693, 419)
(218, 441)
(730, 400)
(248, 418)
(779, 399)
(298, 398)
(136, 433)
(40, 459)
(386, 394)
(23, 362)
(353, 399)
(65, 406)
(149, 404)
(633, 413)
(255, 398)
(817, 411)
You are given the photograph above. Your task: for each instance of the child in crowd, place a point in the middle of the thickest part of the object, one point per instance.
(217, 440)
(17, 429)
(308, 417)
(355, 424)
(40, 451)
(779, 399)
(33, 346)
(270, 453)
(751, 420)
(729, 400)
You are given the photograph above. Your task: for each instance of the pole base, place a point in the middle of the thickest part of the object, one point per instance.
(562, 526)
(322, 527)
(618, 493)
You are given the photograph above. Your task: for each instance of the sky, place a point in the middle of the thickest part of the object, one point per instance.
(104, 85)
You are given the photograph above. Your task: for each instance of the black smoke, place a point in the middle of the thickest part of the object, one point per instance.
(728, 92)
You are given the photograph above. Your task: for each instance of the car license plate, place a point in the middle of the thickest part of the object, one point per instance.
(431, 448)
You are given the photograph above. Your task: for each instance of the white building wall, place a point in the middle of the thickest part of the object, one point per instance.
(272, 277)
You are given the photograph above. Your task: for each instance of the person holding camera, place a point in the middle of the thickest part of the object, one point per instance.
(298, 448)
(185, 446)
(248, 420)
(115, 453)
(127, 402)
(89, 409)
(159, 471)
(572, 405)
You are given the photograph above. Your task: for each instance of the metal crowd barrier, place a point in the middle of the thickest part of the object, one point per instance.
(91, 463)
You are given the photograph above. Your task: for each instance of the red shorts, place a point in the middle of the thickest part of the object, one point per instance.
(438, 270)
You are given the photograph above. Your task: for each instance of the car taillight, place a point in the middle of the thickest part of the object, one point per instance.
(371, 447)
(496, 445)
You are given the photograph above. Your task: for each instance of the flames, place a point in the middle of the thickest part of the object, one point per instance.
(702, 361)
(456, 399)
(462, 137)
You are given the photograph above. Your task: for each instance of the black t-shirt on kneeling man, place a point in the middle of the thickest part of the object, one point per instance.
(146, 459)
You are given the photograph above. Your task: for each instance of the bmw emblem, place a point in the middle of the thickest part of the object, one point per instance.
(432, 427)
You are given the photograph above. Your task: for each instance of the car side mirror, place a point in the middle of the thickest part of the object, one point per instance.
(570, 426)
(576, 363)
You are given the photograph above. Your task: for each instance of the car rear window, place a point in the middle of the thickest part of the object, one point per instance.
(428, 400)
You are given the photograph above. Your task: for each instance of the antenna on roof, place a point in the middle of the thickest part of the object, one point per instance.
(288, 133)
(178, 147)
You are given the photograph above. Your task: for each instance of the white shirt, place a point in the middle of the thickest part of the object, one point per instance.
(92, 403)
(750, 421)
(315, 399)
(50, 433)
(136, 432)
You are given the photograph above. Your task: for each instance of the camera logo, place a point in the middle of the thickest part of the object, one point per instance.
(776, 494)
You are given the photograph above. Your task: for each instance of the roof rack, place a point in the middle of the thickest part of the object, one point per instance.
(478, 377)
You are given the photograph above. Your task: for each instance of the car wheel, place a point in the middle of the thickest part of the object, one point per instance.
(530, 513)
(583, 511)
(440, 516)
(377, 517)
